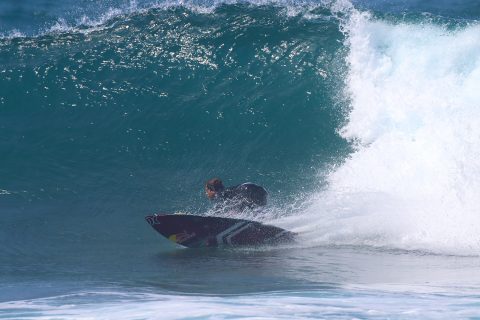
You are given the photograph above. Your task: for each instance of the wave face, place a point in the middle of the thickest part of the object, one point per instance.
(105, 123)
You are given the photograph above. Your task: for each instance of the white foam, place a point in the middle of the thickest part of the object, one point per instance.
(310, 304)
(414, 181)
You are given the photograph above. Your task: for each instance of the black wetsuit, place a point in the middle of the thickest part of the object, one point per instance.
(245, 195)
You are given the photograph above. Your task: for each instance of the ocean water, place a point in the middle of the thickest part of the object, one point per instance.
(361, 119)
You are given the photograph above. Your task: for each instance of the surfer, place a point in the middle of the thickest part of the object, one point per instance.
(237, 198)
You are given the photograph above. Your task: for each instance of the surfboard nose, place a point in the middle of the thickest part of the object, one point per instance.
(152, 220)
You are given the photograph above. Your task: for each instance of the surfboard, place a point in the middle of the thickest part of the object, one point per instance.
(194, 231)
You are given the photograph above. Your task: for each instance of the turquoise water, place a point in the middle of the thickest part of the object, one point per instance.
(360, 119)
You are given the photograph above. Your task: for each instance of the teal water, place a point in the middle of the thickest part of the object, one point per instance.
(360, 119)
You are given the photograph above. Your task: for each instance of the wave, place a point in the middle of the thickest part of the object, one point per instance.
(411, 182)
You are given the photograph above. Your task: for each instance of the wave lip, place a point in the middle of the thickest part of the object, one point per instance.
(85, 20)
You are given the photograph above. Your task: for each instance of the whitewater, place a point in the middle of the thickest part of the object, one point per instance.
(360, 118)
(411, 182)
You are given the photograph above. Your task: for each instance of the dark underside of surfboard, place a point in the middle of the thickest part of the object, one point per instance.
(198, 231)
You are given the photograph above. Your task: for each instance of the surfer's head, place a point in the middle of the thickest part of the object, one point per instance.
(213, 186)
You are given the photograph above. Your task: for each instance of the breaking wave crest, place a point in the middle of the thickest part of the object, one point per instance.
(413, 182)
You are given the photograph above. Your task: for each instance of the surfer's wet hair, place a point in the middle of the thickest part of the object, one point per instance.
(214, 184)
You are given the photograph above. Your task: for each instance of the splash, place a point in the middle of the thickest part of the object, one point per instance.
(413, 182)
